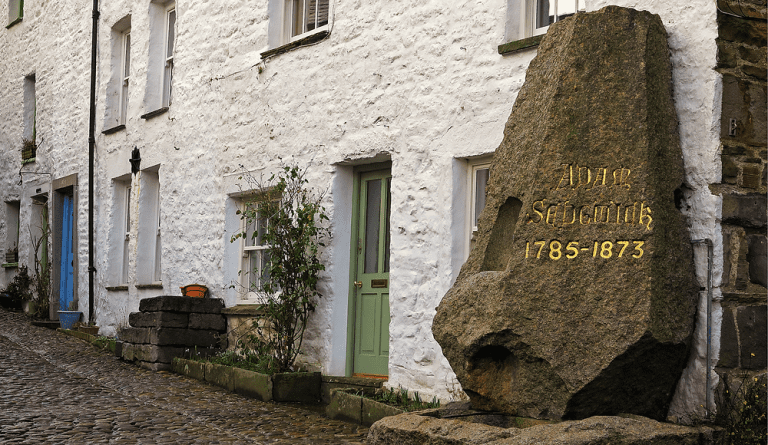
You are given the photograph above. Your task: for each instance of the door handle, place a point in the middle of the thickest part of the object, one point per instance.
(358, 284)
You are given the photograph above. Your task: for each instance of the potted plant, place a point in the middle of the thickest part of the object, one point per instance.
(67, 319)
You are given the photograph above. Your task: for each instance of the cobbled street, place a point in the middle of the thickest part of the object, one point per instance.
(58, 389)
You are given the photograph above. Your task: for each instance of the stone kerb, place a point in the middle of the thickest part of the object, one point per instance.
(172, 326)
(579, 296)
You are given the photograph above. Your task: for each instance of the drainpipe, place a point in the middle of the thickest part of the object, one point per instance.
(708, 242)
(91, 144)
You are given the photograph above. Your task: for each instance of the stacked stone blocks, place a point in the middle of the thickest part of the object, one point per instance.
(741, 59)
(172, 326)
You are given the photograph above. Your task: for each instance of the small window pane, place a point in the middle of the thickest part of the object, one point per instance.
(171, 32)
(481, 181)
(127, 59)
(386, 233)
(543, 17)
(372, 213)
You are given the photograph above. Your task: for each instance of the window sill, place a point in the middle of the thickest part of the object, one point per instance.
(244, 310)
(28, 161)
(308, 40)
(17, 20)
(520, 45)
(155, 113)
(150, 286)
(113, 129)
(10, 265)
(116, 288)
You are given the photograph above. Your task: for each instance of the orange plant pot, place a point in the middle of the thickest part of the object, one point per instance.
(194, 291)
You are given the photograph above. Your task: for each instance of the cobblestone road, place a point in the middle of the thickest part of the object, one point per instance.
(59, 389)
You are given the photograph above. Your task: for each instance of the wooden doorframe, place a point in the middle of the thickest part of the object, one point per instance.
(351, 292)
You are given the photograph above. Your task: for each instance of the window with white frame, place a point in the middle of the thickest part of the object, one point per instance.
(306, 16)
(117, 88)
(149, 246)
(12, 210)
(254, 266)
(170, 38)
(527, 18)
(158, 94)
(292, 20)
(547, 12)
(120, 234)
(15, 11)
(125, 45)
(479, 174)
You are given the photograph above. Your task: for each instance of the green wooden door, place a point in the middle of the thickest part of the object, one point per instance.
(371, 275)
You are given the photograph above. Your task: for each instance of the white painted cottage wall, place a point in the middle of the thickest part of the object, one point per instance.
(417, 82)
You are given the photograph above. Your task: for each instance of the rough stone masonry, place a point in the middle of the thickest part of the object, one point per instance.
(579, 297)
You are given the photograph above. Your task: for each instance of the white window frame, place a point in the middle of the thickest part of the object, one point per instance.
(250, 247)
(169, 47)
(15, 10)
(291, 10)
(148, 242)
(532, 6)
(126, 232)
(158, 271)
(474, 166)
(125, 74)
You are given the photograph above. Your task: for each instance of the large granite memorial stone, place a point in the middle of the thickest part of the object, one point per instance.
(579, 296)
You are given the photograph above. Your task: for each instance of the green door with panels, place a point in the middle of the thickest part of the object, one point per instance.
(371, 275)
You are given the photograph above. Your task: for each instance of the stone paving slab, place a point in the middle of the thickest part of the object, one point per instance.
(59, 389)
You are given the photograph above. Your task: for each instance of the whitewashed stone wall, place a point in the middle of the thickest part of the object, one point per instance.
(420, 84)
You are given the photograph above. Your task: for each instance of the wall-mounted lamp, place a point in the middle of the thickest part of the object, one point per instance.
(135, 160)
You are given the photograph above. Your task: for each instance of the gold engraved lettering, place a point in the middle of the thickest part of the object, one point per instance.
(555, 250)
(543, 243)
(606, 249)
(580, 175)
(630, 219)
(600, 176)
(565, 212)
(568, 180)
(572, 247)
(645, 219)
(639, 249)
(553, 215)
(624, 245)
(624, 177)
(538, 213)
(600, 214)
(582, 215)
(618, 212)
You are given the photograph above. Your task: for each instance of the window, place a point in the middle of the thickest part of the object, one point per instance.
(125, 74)
(170, 35)
(15, 12)
(304, 16)
(294, 20)
(479, 175)
(527, 18)
(29, 135)
(547, 12)
(12, 210)
(149, 248)
(117, 91)
(255, 255)
(158, 95)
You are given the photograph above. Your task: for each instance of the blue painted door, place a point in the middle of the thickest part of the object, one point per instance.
(66, 271)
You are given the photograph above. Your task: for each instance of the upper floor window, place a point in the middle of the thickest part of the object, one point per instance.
(170, 37)
(125, 75)
(29, 135)
(162, 45)
(296, 20)
(117, 91)
(305, 16)
(15, 12)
